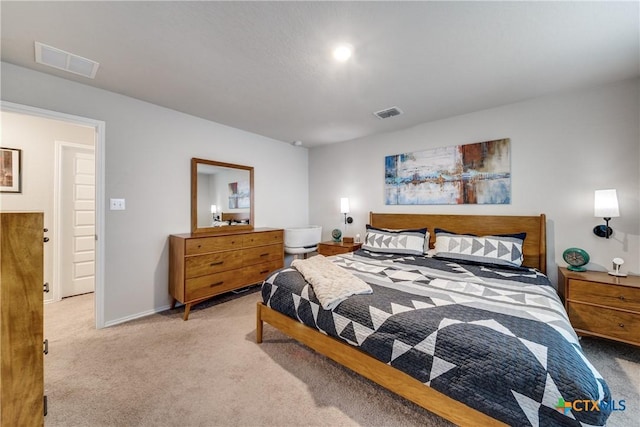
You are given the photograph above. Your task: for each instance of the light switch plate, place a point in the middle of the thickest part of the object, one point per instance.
(117, 204)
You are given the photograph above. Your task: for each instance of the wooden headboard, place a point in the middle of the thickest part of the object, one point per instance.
(240, 216)
(535, 244)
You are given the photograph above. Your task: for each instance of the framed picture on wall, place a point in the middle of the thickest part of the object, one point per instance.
(10, 170)
(477, 173)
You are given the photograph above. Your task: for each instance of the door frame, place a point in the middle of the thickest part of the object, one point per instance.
(100, 143)
(57, 213)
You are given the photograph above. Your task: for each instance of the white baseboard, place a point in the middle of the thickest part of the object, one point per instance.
(137, 315)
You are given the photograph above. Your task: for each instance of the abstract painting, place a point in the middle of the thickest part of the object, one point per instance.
(478, 173)
(239, 195)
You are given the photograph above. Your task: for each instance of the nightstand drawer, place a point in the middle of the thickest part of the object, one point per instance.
(622, 297)
(332, 250)
(606, 322)
(337, 248)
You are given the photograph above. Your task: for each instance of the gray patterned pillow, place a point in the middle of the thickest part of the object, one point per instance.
(410, 242)
(500, 250)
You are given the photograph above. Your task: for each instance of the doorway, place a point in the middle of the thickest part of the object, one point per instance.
(99, 191)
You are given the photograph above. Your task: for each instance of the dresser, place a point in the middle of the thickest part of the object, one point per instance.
(602, 305)
(337, 248)
(21, 312)
(205, 265)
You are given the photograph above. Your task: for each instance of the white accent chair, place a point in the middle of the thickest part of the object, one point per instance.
(302, 240)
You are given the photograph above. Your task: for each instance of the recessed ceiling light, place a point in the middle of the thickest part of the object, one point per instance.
(342, 52)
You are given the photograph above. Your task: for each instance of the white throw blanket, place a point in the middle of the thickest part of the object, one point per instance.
(330, 283)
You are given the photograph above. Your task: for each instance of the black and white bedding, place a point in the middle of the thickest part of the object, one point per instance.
(494, 338)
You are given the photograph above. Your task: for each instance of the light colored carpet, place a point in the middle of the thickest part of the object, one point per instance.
(208, 371)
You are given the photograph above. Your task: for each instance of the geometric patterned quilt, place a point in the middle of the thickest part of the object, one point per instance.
(494, 338)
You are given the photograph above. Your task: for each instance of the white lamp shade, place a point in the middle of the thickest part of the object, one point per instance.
(606, 204)
(214, 209)
(344, 205)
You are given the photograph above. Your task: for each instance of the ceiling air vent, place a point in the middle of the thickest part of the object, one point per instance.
(388, 112)
(56, 58)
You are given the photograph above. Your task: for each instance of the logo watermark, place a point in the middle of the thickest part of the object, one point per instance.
(589, 405)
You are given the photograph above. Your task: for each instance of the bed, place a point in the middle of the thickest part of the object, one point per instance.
(474, 342)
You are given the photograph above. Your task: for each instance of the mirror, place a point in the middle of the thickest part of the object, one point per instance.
(221, 196)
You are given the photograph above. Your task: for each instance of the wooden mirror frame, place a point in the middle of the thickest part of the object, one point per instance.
(194, 198)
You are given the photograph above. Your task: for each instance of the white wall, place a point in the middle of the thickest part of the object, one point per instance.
(148, 152)
(562, 149)
(36, 137)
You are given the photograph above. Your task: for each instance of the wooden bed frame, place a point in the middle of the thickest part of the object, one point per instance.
(398, 382)
(235, 216)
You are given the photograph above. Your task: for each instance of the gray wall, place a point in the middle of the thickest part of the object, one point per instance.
(563, 148)
(148, 152)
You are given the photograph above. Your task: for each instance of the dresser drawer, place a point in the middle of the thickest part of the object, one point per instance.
(623, 297)
(258, 239)
(204, 245)
(261, 254)
(213, 284)
(257, 273)
(605, 322)
(212, 263)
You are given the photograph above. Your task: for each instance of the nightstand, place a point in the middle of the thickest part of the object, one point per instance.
(336, 248)
(602, 305)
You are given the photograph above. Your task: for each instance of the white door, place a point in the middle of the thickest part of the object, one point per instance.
(77, 266)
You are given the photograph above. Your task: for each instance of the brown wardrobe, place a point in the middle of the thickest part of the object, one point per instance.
(21, 317)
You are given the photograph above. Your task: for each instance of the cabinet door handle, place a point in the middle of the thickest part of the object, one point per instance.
(46, 346)
(264, 271)
(216, 263)
(621, 325)
(266, 254)
(217, 284)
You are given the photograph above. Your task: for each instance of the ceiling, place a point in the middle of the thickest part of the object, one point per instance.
(266, 67)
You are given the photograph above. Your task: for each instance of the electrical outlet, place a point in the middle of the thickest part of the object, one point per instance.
(117, 204)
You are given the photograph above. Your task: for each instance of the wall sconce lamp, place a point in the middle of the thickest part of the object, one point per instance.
(605, 206)
(344, 209)
(214, 211)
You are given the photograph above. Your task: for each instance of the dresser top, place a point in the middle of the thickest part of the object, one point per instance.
(225, 233)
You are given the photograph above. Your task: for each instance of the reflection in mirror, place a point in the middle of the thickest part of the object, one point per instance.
(221, 196)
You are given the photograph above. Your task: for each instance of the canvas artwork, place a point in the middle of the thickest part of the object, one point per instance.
(239, 195)
(478, 173)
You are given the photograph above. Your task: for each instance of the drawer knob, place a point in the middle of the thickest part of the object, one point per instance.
(621, 325)
(216, 263)
(621, 297)
(217, 284)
